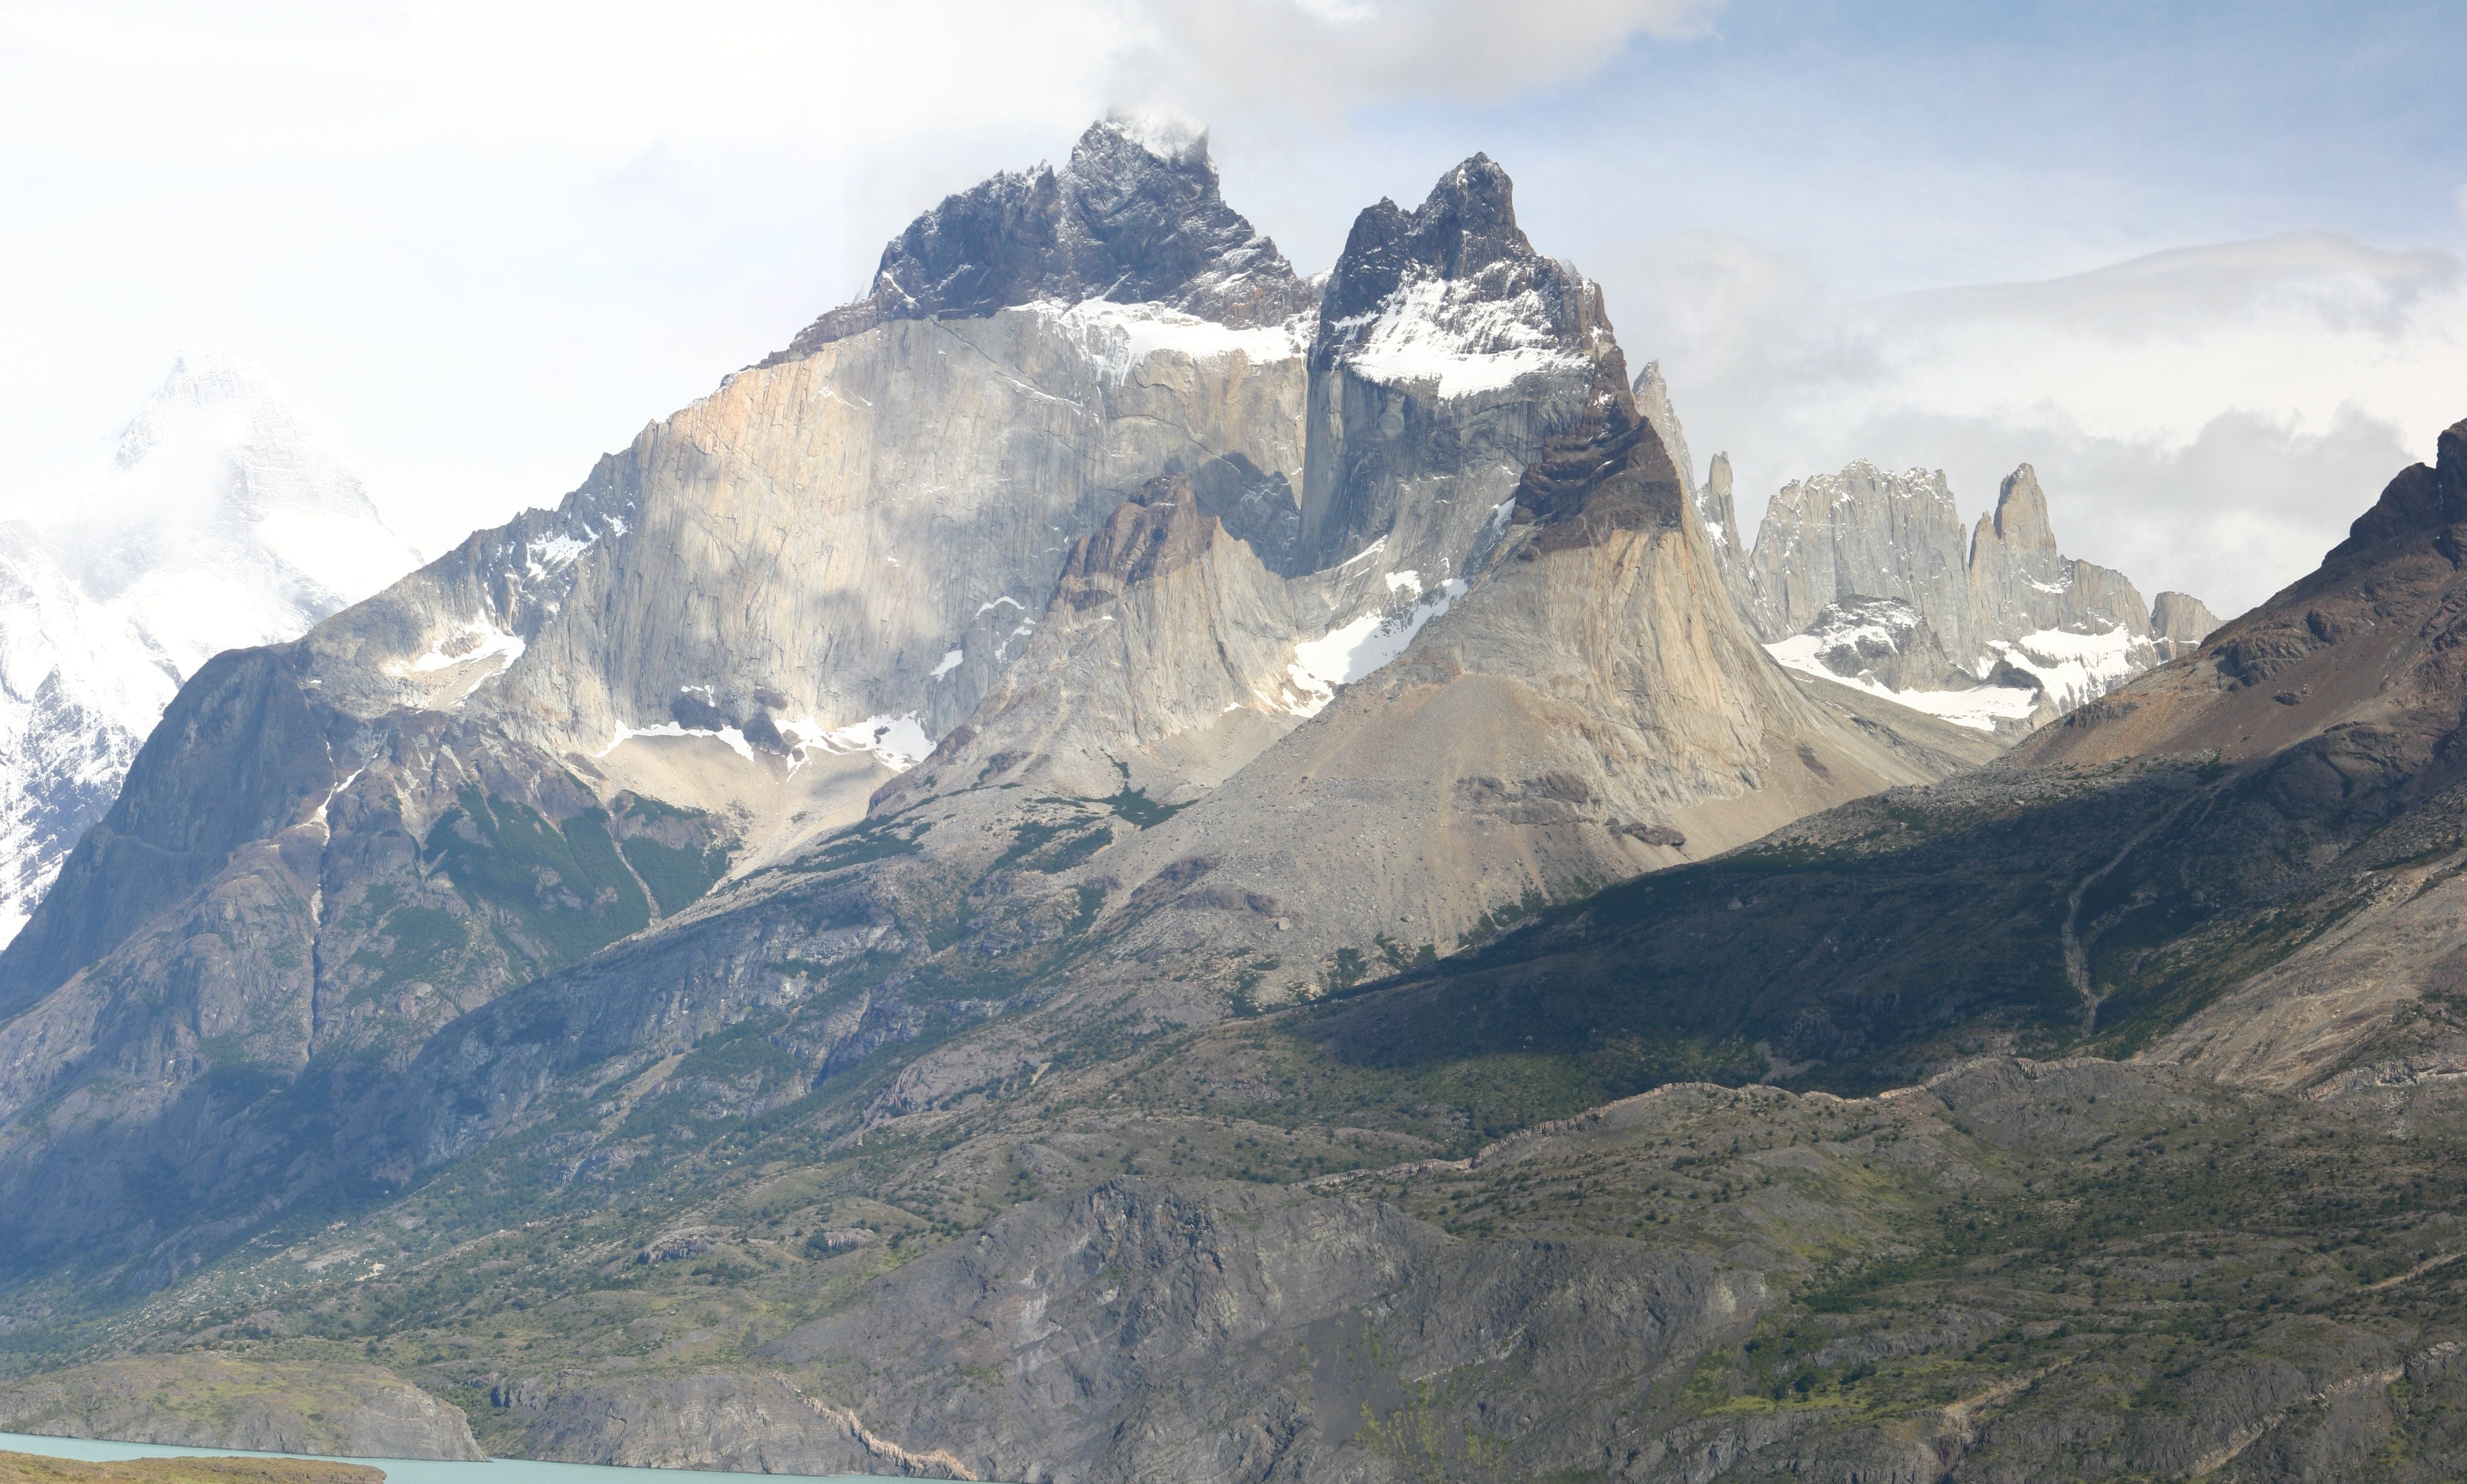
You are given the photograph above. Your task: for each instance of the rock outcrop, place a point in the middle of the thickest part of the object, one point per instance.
(1712, 498)
(2031, 633)
(208, 1400)
(2179, 623)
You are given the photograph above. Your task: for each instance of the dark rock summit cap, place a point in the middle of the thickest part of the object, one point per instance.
(1136, 217)
(2422, 498)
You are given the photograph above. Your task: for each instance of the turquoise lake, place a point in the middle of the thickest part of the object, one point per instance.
(403, 1471)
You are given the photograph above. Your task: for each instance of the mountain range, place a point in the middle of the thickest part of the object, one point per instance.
(1120, 864)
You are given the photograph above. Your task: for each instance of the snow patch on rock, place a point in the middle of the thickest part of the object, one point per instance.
(1120, 337)
(1347, 653)
(1980, 708)
(477, 641)
(898, 743)
(2076, 668)
(1450, 333)
(734, 739)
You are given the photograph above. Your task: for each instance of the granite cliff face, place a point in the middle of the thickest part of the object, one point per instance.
(2179, 623)
(1712, 498)
(2031, 633)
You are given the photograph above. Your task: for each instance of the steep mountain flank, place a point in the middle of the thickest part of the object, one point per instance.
(1712, 498)
(1148, 669)
(1589, 707)
(2245, 861)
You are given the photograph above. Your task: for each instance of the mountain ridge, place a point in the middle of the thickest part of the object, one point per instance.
(1316, 942)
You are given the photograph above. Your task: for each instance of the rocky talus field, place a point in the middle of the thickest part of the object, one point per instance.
(1124, 865)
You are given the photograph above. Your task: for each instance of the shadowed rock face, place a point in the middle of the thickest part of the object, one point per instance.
(1621, 478)
(1130, 220)
(1464, 230)
(2162, 872)
(1156, 532)
(1449, 355)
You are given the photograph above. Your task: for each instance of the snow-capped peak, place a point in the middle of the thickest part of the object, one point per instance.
(218, 520)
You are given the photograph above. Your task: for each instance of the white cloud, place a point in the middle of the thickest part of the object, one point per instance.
(484, 241)
(487, 241)
(1327, 55)
(2208, 420)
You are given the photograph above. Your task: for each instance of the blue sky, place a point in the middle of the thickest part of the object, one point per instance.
(484, 241)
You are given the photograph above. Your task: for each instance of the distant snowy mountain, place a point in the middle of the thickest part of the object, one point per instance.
(219, 520)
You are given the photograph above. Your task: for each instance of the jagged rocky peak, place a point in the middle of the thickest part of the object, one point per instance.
(1711, 499)
(2044, 632)
(1714, 499)
(2020, 523)
(1136, 217)
(1449, 355)
(2021, 583)
(1867, 531)
(1453, 294)
(1652, 393)
(2179, 623)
